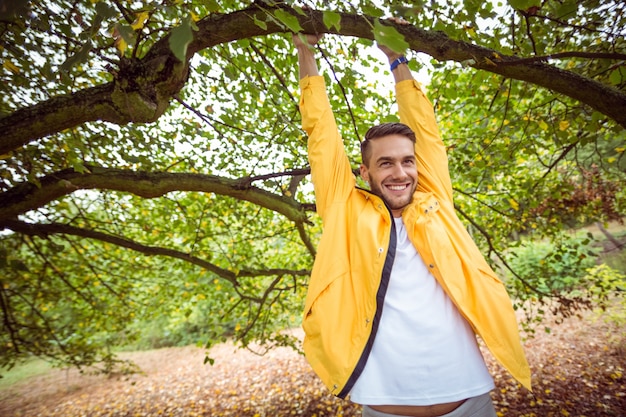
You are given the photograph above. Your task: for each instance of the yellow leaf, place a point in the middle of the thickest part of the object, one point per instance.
(543, 125)
(9, 65)
(121, 45)
(140, 20)
(620, 150)
(514, 204)
(563, 125)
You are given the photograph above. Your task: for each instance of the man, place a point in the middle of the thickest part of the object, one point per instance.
(398, 289)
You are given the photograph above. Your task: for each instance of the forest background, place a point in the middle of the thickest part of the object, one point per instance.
(154, 186)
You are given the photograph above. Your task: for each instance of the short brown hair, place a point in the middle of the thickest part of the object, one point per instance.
(381, 130)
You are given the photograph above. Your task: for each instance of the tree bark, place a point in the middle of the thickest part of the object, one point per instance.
(28, 196)
(616, 243)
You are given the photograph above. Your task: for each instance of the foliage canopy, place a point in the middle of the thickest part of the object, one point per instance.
(152, 164)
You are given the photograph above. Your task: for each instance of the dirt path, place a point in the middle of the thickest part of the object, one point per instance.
(578, 370)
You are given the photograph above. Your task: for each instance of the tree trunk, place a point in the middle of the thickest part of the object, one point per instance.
(616, 243)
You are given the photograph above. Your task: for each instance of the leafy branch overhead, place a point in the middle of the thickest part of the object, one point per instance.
(142, 87)
(153, 172)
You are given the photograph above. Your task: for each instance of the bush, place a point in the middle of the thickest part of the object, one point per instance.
(551, 268)
(554, 276)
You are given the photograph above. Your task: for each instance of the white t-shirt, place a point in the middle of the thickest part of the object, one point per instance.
(425, 352)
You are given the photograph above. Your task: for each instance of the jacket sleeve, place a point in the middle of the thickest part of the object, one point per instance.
(417, 112)
(330, 169)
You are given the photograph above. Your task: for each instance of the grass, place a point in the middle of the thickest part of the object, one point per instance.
(22, 372)
(615, 259)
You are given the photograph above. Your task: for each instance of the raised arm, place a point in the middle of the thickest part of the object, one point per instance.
(306, 59)
(331, 173)
(400, 72)
(417, 112)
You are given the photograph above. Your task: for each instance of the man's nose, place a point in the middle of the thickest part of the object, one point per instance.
(398, 171)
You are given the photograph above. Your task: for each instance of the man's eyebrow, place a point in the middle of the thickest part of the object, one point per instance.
(391, 158)
(384, 159)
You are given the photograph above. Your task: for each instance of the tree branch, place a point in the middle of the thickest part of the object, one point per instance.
(45, 230)
(560, 55)
(143, 87)
(28, 196)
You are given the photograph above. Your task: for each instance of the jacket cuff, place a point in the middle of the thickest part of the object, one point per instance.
(312, 81)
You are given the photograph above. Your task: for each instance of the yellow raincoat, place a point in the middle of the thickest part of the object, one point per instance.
(355, 254)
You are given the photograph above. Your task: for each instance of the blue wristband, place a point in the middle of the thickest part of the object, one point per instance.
(401, 60)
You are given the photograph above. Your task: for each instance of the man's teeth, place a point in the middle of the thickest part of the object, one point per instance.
(397, 187)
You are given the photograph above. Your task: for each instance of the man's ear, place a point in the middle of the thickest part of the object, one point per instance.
(364, 173)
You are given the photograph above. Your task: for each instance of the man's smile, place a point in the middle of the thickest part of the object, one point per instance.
(397, 187)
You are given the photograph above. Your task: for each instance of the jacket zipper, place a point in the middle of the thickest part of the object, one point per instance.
(380, 298)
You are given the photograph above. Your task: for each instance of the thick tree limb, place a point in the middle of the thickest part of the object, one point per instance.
(27, 196)
(142, 88)
(570, 54)
(140, 93)
(66, 229)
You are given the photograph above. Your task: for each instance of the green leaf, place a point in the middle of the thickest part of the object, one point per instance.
(300, 11)
(617, 76)
(332, 19)
(260, 23)
(567, 9)
(524, 4)
(373, 11)
(180, 38)
(389, 37)
(78, 166)
(288, 20)
(212, 6)
(472, 6)
(127, 33)
(78, 58)
(105, 11)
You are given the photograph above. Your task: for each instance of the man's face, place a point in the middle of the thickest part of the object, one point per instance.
(392, 171)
